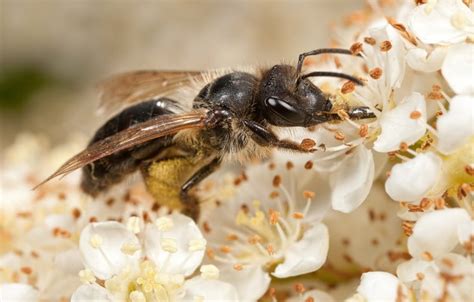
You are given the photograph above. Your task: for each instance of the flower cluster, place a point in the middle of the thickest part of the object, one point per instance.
(381, 211)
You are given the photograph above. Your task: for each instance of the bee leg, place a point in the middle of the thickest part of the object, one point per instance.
(265, 137)
(190, 202)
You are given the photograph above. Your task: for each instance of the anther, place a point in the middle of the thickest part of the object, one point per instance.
(375, 73)
(348, 87)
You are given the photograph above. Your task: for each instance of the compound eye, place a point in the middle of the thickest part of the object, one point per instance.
(285, 111)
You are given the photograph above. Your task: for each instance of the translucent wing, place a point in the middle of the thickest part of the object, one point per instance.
(131, 87)
(139, 133)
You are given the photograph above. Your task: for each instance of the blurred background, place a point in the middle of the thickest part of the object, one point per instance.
(53, 52)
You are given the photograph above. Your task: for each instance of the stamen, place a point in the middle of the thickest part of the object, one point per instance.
(169, 245)
(86, 276)
(209, 272)
(164, 224)
(96, 241)
(133, 224)
(130, 248)
(198, 244)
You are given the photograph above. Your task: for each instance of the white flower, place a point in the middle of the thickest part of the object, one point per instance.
(457, 125)
(406, 123)
(411, 180)
(440, 272)
(270, 228)
(112, 252)
(460, 76)
(442, 22)
(381, 286)
(16, 292)
(420, 59)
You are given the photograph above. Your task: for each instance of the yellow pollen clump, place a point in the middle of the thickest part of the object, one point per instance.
(96, 241)
(164, 224)
(169, 245)
(133, 224)
(86, 276)
(209, 272)
(137, 296)
(343, 115)
(130, 248)
(198, 244)
(458, 20)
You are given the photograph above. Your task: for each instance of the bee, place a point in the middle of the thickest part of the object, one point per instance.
(177, 144)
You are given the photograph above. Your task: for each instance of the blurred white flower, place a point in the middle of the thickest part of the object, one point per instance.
(143, 261)
(453, 127)
(442, 22)
(437, 270)
(15, 292)
(380, 286)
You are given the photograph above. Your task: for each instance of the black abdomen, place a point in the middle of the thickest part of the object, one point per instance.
(103, 173)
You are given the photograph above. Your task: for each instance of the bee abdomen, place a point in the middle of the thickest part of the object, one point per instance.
(103, 173)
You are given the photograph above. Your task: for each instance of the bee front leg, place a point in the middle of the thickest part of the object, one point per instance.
(265, 137)
(190, 202)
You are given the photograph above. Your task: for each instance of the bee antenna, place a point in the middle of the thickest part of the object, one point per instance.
(316, 52)
(334, 75)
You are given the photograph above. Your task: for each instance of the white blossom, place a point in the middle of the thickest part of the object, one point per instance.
(112, 252)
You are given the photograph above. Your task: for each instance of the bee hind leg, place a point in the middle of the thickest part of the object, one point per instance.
(190, 201)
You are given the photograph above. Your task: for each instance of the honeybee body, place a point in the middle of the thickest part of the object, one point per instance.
(176, 145)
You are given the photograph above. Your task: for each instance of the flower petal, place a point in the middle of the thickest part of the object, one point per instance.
(16, 292)
(466, 232)
(183, 231)
(436, 232)
(420, 60)
(90, 292)
(441, 22)
(100, 245)
(407, 271)
(306, 255)
(412, 180)
(251, 282)
(456, 126)
(380, 286)
(351, 183)
(209, 290)
(460, 76)
(397, 125)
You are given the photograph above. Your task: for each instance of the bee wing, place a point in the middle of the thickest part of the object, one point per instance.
(131, 87)
(139, 133)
